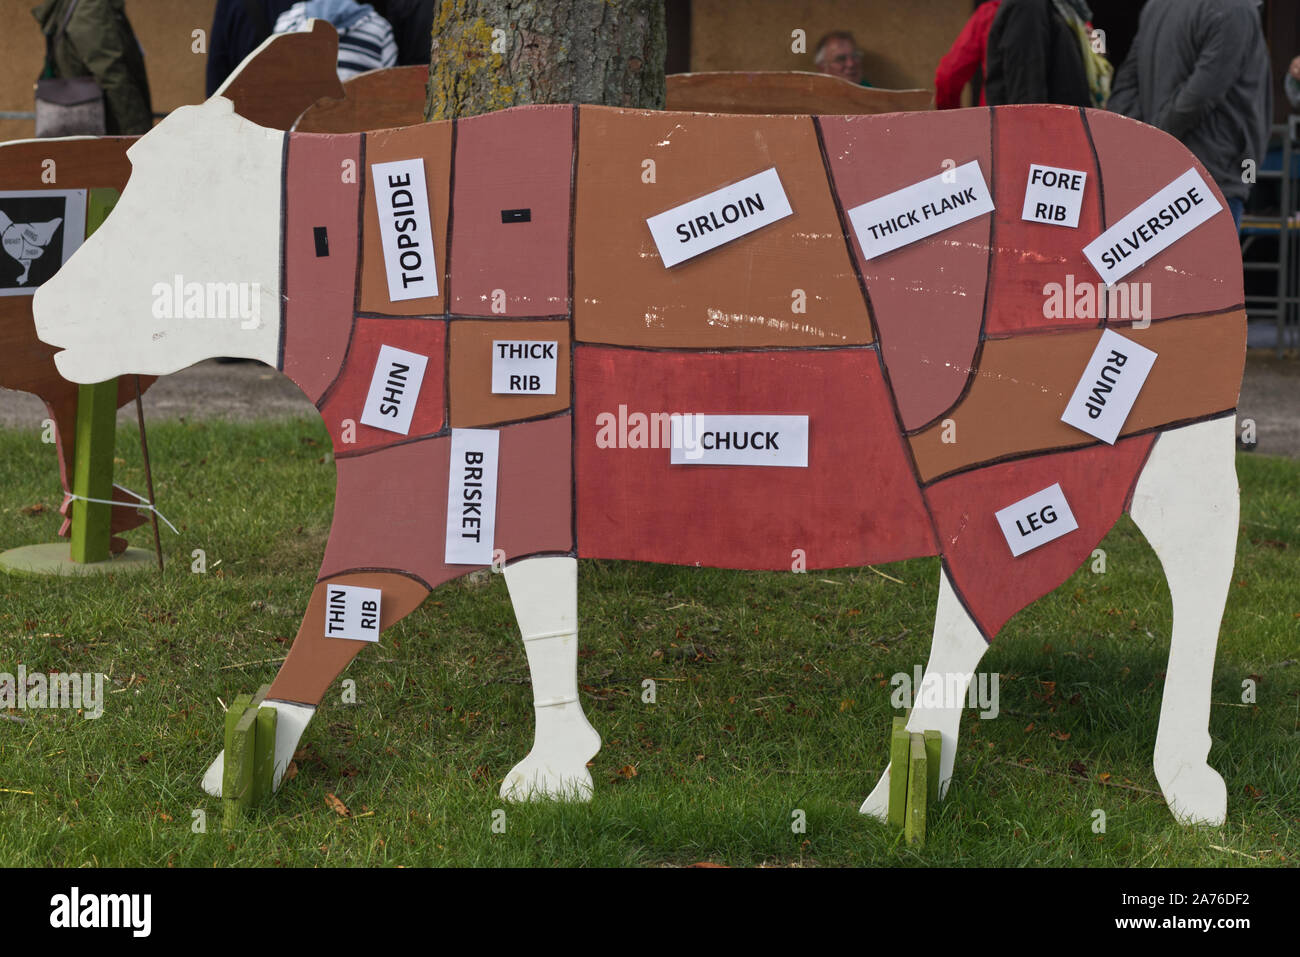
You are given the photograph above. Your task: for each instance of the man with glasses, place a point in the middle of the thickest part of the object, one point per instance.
(838, 54)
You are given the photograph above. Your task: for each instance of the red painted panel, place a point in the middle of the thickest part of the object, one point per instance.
(856, 503)
(347, 397)
(927, 297)
(319, 290)
(1029, 255)
(517, 159)
(1190, 276)
(1096, 482)
(390, 509)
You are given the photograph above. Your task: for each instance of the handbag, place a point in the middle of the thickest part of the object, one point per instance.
(67, 106)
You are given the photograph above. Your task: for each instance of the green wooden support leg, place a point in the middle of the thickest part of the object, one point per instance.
(899, 750)
(264, 755)
(914, 829)
(92, 470)
(933, 751)
(237, 780)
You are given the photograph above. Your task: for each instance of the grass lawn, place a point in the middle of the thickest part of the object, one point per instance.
(772, 696)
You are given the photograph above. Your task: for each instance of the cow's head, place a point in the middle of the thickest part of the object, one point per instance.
(187, 266)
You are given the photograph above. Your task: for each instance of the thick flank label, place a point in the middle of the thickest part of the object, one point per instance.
(404, 228)
(1036, 520)
(1054, 196)
(394, 389)
(719, 217)
(352, 612)
(779, 440)
(472, 496)
(920, 210)
(1153, 227)
(1110, 385)
(524, 366)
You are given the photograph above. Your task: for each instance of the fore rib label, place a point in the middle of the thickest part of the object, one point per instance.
(524, 367)
(1036, 520)
(719, 217)
(472, 497)
(352, 612)
(394, 389)
(402, 202)
(920, 210)
(1153, 227)
(772, 440)
(1054, 195)
(1109, 386)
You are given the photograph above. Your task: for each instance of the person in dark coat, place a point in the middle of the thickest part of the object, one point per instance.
(238, 28)
(1034, 55)
(99, 42)
(1199, 70)
(412, 22)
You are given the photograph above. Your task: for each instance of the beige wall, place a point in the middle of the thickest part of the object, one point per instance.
(163, 28)
(903, 40)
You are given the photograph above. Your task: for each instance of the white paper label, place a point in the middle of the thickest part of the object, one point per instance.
(1153, 227)
(719, 217)
(1109, 387)
(1054, 195)
(920, 210)
(394, 390)
(472, 496)
(780, 440)
(352, 612)
(524, 366)
(404, 227)
(1036, 520)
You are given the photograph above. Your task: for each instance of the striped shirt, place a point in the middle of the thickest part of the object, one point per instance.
(365, 44)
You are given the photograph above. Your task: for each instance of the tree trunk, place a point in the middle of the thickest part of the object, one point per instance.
(491, 54)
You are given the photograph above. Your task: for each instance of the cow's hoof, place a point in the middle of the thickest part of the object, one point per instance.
(556, 767)
(212, 777)
(877, 802)
(1195, 793)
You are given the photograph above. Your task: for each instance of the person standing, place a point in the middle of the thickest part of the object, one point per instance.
(1040, 51)
(238, 28)
(94, 38)
(365, 38)
(1199, 70)
(969, 53)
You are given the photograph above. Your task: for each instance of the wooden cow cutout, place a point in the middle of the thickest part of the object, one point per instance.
(535, 232)
(272, 87)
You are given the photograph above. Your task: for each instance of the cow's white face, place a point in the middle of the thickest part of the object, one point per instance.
(187, 266)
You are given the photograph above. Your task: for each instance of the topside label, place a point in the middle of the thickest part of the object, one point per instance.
(920, 210)
(716, 218)
(402, 202)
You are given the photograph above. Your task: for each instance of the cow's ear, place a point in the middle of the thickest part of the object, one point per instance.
(285, 75)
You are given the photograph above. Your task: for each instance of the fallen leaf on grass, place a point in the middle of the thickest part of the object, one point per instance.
(36, 509)
(627, 771)
(1060, 735)
(337, 806)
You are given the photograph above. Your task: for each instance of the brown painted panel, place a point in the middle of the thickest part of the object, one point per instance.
(1023, 384)
(432, 141)
(738, 295)
(927, 297)
(473, 403)
(319, 290)
(1190, 276)
(378, 100)
(786, 92)
(520, 159)
(296, 70)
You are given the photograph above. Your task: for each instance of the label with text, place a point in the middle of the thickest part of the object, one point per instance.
(1153, 227)
(719, 217)
(472, 496)
(1110, 385)
(402, 202)
(1054, 195)
(772, 440)
(920, 210)
(524, 366)
(1036, 520)
(394, 389)
(352, 612)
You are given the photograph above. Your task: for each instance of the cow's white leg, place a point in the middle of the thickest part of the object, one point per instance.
(1186, 504)
(544, 592)
(955, 653)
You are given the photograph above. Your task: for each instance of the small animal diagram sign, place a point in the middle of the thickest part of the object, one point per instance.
(39, 230)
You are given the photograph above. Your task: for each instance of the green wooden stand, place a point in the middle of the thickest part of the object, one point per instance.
(913, 779)
(248, 773)
(92, 474)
